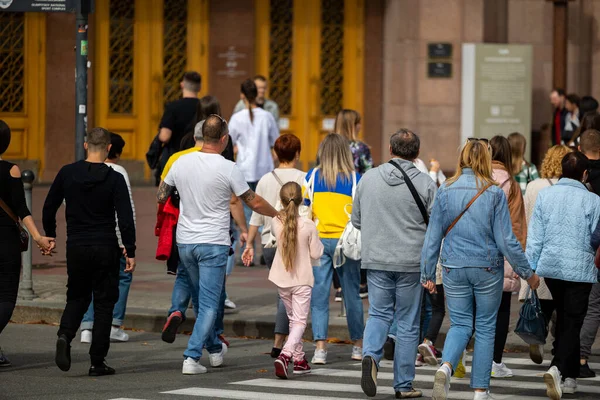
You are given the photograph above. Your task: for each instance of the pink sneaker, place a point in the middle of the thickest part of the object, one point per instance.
(301, 367)
(428, 354)
(281, 366)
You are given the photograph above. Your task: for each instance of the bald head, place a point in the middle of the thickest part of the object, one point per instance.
(213, 129)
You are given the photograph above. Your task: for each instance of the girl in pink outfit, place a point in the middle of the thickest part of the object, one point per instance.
(297, 243)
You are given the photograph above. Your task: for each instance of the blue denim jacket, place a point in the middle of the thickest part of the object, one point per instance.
(481, 238)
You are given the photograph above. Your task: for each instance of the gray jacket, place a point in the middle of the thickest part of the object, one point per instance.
(392, 227)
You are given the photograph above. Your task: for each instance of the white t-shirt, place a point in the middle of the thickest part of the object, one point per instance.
(268, 188)
(205, 183)
(254, 141)
(123, 172)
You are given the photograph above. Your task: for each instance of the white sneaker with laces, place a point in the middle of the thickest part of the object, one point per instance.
(501, 371)
(86, 336)
(192, 367)
(118, 335)
(320, 357)
(441, 384)
(216, 359)
(552, 380)
(229, 304)
(357, 353)
(483, 395)
(569, 386)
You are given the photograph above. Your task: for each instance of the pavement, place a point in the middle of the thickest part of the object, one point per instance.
(150, 295)
(149, 369)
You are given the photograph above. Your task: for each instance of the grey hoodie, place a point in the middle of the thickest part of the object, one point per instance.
(392, 227)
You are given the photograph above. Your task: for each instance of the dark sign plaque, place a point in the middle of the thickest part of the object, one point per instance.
(45, 5)
(439, 70)
(439, 50)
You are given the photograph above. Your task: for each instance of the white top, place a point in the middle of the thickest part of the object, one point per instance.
(123, 172)
(268, 188)
(254, 141)
(205, 183)
(438, 177)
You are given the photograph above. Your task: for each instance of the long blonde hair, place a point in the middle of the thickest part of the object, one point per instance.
(476, 155)
(291, 198)
(335, 158)
(518, 143)
(345, 124)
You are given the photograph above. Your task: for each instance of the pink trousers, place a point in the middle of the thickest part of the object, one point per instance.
(297, 304)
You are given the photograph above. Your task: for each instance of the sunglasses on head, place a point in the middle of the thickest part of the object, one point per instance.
(473, 139)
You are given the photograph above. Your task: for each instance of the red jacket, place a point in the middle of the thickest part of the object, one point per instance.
(166, 221)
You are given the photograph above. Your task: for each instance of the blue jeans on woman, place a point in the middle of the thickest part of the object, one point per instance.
(463, 287)
(119, 311)
(349, 274)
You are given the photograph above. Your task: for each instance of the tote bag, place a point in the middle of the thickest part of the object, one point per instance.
(531, 326)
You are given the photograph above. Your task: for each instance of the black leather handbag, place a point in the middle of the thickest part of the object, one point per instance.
(531, 326)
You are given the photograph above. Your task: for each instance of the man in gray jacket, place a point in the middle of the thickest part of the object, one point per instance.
(393, 231)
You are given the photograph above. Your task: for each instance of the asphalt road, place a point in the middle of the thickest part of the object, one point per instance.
(148, 369)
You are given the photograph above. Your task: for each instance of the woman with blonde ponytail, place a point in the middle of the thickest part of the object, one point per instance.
(298, 242)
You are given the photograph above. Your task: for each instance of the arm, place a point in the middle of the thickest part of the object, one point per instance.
(165, 135)
(595, 242)
(314, 243)
(433, 242)
(356, 215)
(258, 204)
(164, 191)
(54, 200)
(273, 132)
(237, 211)
(122, 204)
(166, 125)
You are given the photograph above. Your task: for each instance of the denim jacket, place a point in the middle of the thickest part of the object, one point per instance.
(481, 238)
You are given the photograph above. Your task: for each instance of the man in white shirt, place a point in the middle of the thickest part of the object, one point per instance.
(206, 181)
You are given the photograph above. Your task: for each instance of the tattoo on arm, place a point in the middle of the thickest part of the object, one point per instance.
(164, 191)
(248, 196)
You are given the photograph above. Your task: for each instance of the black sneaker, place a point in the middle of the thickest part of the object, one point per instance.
(63, 353)
(169, 332)
(586, 372)
(101, 370)
(368, 382)
(4, 362)
(364, 292)
(338, 296)
(275, 352)
(389, 348)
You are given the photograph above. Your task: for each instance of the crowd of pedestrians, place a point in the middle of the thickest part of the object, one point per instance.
(402, 234)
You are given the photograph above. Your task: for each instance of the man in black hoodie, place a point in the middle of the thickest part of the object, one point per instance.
(92, 192)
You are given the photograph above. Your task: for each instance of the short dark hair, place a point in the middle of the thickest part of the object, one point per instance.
(587, 104)
(214, 129)
(501, 151)
(192, 81)
(261, 78)
(405, 144)
(589, 141)
(574, 165)
(98, 138)
(559, 91)
(4, 137)
(287, 146)
(117, 144)
(573, 99)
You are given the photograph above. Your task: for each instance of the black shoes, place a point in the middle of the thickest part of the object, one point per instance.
(63, 353)
(364, 292)
(101, 370)
(368, 382)
(586, 372)
(389, 348)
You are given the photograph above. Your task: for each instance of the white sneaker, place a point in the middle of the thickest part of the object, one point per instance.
(229, 304)
(482, 395)
(192, 367)
(552, 380)
(86, 336)
(569, 386)
(216, 359)
(118, 335)
(320, 357)
(357, 353)
(441, 384)
(501, 371)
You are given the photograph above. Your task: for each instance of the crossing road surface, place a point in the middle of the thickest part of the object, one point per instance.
(148, 369)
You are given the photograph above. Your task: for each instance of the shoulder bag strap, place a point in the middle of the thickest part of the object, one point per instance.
(311, 185)
(550, 182)
(8, 211)
(504, 183)
(277, 178)
(414, 193)
(483, 189)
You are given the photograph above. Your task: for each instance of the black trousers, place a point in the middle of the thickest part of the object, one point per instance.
(571, 302)
(502, 323)
(10, 269)
(91, 270)
(438, 312)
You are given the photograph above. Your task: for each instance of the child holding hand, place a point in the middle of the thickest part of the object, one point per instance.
(297, 243)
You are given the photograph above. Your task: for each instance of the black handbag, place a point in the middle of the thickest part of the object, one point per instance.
(23, 234)
(531, 326)
(154, 153)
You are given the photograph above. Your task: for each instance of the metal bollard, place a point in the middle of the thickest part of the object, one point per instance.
(26, 288)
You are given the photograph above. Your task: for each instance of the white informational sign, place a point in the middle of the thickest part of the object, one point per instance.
(328, 124)
(284, 124)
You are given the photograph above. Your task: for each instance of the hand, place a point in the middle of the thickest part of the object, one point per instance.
(124, 252)
(430, 286)
(45, 244)
(130, 267)
(248, 256)
(534, 281)
(435, 165)
(243, 238)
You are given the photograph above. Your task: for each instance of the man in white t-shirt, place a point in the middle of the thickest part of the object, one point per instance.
(206, 181)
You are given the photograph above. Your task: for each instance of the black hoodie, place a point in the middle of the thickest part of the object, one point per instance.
(594, 175)
(92, 192)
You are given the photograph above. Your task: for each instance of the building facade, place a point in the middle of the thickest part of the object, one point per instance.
(319, 55)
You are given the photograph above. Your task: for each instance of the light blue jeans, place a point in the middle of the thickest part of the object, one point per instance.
(205, 265)
(463, 286)
(119, 311)
(394, 300)
(349, 274)
(182, 292)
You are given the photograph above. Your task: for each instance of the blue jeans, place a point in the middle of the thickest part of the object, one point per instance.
(426, 313)
(463, 287)
(205, 265)
(182, 292)
(394, 300)
(235, 237)
(119, 311)
(349, 274)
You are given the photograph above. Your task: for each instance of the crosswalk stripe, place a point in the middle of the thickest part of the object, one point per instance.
(507, 360)
(243, 394)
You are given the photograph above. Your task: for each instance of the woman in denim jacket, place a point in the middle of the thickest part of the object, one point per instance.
(473, 262)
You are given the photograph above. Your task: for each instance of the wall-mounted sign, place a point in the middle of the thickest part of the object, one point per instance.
(439, 50)
(328, 124)
(45, 5)
(439, 70)
(230, 63)
(284, 124)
